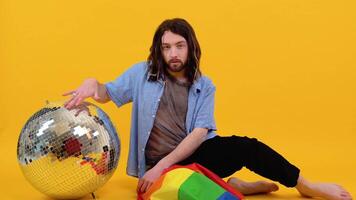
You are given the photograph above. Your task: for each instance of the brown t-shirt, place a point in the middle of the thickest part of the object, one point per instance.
(169, 125)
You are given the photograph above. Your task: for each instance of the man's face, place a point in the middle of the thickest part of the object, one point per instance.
(175, 51)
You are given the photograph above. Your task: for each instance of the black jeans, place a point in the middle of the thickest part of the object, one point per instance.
(226, 155)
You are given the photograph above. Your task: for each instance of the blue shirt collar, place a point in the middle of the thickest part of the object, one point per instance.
(196, 85)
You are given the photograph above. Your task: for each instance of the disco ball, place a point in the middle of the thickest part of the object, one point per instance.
(68, 154)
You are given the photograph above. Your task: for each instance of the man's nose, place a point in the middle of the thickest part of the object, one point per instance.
(173, 52)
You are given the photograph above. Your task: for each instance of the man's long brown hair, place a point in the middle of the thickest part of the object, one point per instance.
(157, 68)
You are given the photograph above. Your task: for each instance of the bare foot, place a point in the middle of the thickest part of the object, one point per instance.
(249, 188)
(327, 191)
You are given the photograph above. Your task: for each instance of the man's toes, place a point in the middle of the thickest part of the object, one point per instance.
(274, 187)
(345, 196)
(267, 187)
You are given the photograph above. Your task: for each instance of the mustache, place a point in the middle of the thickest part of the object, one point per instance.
(174, 61)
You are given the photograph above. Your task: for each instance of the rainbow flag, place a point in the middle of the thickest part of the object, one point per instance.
(190, 182)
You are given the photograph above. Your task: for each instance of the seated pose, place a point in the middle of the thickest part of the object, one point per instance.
(173, 120)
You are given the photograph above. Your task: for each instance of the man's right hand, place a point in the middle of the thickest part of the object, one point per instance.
(90, 88)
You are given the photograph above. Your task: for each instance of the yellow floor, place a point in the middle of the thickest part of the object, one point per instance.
(331, 165)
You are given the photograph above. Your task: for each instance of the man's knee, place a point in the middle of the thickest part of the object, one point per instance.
(245, 142)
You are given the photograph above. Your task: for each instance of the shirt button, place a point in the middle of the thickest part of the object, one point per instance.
(159, 100)
(153, 115)
(143, 149)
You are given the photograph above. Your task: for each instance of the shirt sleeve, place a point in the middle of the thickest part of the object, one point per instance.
(205, 115)
(121, 89)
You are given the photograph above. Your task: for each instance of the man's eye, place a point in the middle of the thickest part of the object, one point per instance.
(165, 47)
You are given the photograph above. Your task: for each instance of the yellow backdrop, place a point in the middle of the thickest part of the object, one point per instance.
(284, 71)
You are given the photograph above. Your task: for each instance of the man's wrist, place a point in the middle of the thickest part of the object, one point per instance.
(163, 164)
(102, 93)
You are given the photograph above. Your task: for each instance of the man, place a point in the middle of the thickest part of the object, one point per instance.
(173, 120)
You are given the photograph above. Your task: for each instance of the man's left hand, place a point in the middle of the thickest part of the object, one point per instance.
(149, 178)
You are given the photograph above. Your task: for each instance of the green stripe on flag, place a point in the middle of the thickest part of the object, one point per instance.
(198, 186)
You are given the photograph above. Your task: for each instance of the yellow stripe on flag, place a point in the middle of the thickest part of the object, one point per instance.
(171, 184)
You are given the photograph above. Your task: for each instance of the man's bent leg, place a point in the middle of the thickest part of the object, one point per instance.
(226, 155)
(263, 160)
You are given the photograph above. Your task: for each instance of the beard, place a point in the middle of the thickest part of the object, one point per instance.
(176, 65)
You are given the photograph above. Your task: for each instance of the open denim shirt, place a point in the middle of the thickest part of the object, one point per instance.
(134, 86)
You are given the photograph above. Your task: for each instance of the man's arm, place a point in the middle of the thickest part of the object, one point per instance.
(183, 150)
(186, 148)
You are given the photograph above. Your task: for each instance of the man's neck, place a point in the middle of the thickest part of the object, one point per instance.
(180, 76)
